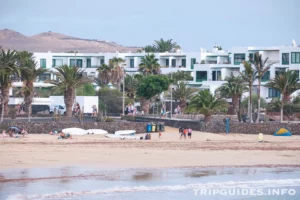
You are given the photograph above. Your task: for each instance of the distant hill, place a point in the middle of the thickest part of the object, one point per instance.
(56, 42)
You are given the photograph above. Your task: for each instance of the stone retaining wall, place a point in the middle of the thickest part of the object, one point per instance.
(46, 127)
(235, 127)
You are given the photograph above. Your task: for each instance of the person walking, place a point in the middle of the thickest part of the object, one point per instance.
(190, 133)
(159, 134)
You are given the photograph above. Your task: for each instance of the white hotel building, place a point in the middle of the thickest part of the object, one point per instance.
(208, 69)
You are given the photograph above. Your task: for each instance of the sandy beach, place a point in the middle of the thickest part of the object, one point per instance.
(204, 149)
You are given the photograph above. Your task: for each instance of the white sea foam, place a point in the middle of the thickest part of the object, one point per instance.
(210, 185)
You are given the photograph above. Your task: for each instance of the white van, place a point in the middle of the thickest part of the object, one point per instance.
(61, 108)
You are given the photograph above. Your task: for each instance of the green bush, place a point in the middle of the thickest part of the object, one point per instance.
(288, 108)
(108, 119)
(128, 118)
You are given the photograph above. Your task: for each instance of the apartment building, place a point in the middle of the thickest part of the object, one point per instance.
(208, 68)
(216, 65)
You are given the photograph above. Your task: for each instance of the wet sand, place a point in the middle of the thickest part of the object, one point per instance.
(205, 149)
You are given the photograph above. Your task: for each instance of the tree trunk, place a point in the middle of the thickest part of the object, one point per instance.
(250, 98)
(235, 102)
(69, 101)
(28, 105)
(182, 105)
(145, 104)
(239, 113)
(5, 99)
(282, 104)
(207, 118)
(2, 106)
(258, 100)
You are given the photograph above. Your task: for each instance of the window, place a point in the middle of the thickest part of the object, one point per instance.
(296, 58)
(101, 61)
(279, 71)
(183, 62)
(167, 62)
(43, 63)
(216, 75)
(88, 63)
(266, 77)
(57, 62)
(201, 76)
(285, 58)
(78, 63)
(45, 77)
(173, 62)
(251, 56)
(273, 93)
(239, 58)
(193, 61)
(131, 63)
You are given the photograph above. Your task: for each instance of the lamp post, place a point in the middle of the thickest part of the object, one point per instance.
(123, 99)
(171, 97)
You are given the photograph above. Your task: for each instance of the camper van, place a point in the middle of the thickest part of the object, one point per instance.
(60, 109)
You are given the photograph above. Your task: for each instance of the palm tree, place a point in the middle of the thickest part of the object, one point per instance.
(165, 45)
(180, 76)
(29, 74)
(69, 78)
(207, 104)
(183, 93)
(286, 83)
(261, 68)
(131, 84)
(117, 71)
(234, 89)
(149, 65)
(148, 49)
(24, 57)
(249, 76)
(8, 68)
(105, 74)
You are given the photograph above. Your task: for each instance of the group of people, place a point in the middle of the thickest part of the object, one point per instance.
(183, 132)
(61, 135)
(21, 108)
(14, 132)
(130, 110)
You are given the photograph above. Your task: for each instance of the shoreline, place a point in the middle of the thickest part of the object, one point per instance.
(104, 174)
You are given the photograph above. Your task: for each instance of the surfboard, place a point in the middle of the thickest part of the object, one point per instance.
(96, 131)
(125, 132)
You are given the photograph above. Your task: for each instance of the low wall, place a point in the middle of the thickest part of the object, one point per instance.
(220, 127)
(46, 127)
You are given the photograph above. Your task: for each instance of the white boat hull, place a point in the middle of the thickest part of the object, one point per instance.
(125, 132)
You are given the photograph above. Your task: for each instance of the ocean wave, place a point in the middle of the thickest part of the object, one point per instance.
(210, 185)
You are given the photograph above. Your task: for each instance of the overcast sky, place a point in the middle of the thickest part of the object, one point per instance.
(191, 23)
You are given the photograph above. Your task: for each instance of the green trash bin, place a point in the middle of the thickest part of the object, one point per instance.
(153, 127)
(157, 128)
(162, 127)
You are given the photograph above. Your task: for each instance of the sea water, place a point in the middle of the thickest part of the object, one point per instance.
(173, 183)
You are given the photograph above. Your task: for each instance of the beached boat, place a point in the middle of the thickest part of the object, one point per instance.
(96, 131)
(74, 131)
(122, 137)
(125, 132)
